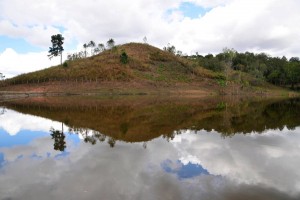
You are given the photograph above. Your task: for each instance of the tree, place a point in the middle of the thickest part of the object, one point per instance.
(124, 58)
(59, 139)
(111, 142)
(145, 40)
(294, 59)
(3, 110)
(101, 47)
(57, 46)
(91, 45)
(2, 77)
(85, 46)
(170, 49)
(110, 43)
(229, 55)
(292, 71)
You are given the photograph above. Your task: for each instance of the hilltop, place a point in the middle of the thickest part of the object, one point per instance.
(147, 70)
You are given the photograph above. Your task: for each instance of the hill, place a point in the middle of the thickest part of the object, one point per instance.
(148, 70)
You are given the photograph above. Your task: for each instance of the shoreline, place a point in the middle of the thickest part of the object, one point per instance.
(192, 89)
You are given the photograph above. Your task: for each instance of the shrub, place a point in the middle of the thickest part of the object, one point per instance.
(65, 64)
(124, 58)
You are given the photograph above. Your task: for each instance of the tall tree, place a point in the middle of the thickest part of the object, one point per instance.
(101, 47)
(91, 45)
(229, 55)
(85, 46)
(292, 71)
(170, 48)
(57, 46)
(59, 139)
(145, 40)
(1, 76)
(110, 43)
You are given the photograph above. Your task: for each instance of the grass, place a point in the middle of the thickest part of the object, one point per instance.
(144, 62)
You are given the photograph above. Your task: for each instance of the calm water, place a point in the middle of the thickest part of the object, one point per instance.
(149, 148)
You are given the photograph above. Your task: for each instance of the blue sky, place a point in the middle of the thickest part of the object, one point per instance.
(192, 11)
(22, 138)
(182, 171)
(204, 26)
(18, 44)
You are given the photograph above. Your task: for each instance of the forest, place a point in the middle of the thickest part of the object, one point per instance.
(278, 71)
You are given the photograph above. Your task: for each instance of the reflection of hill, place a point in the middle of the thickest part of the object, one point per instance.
(144, 118)
(255, 116)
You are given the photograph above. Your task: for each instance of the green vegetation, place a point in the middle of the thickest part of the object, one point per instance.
(124, 57)
(262, 67)
(65, 64)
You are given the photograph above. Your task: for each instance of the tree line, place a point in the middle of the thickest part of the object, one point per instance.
(275, 70)
(93, 48)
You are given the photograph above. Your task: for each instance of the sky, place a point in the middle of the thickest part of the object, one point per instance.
(203, 26)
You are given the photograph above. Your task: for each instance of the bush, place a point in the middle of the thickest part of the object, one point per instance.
(124, 58)
(65, 64)
(221, 82)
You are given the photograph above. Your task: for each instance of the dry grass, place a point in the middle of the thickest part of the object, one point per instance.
(146, 63)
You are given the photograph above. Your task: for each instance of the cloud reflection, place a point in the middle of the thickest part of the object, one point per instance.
(13, 122)
(255, 166)
(271, 159)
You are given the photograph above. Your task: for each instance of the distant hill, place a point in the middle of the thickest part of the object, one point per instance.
(148, 69)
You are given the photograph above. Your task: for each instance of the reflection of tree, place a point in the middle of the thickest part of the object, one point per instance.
(145, 145)
(2, 110)
(88, 136)
(59, 139)
(172, 135)
(111, 142)
(91, 136)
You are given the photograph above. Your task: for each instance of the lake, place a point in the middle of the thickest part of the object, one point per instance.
(149, 147)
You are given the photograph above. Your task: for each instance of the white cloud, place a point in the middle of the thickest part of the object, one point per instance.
(269, 26)
(13, 63)
(211, 3)
(13, 122)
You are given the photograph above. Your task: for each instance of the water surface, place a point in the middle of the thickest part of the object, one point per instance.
(149, 148)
